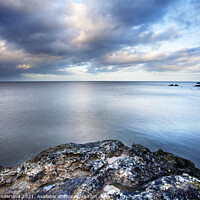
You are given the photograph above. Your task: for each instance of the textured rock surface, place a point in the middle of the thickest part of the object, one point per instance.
(102, 170)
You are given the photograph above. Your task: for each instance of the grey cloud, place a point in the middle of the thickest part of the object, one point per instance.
(138, 12)
(42, 29)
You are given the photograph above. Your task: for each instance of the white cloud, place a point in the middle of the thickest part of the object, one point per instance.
(75, 70)
(24, 66)
(128, 57)
(90, 26)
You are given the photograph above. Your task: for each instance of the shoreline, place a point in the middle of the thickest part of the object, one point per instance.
(104, 170)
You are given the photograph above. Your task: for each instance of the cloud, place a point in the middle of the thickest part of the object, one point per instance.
(186, 60)
(135, 13)
(24, 66)
(75, 70)
(38, 76)
(65, 36)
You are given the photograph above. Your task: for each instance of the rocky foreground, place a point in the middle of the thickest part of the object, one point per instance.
(101, 170)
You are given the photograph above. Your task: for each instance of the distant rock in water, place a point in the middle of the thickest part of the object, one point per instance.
(173, 85)
(102, 170)
(197, 84)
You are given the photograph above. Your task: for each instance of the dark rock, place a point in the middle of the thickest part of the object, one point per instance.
(39, 175)
(102, 170)
(173, 85)
(197, 84)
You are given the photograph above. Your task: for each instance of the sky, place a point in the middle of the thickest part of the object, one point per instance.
(99, 40)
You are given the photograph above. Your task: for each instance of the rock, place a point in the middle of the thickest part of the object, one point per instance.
(166, 187)
(173, 85)
(197, 84)
(102, 170)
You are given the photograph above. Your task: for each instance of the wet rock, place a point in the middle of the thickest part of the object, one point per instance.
(102, 170)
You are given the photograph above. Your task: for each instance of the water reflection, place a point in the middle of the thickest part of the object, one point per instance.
(36, 116)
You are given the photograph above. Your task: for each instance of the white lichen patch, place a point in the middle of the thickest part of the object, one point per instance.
(165, 187)
(114, 158)
(109, 188)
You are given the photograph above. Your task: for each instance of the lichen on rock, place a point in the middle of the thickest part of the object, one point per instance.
(102, 170)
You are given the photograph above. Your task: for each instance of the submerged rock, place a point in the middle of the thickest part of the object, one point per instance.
(102, 170)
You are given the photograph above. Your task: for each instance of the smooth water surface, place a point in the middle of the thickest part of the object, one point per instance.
(37, 115)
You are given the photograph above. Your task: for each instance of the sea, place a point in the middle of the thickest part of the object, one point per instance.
(35, 116)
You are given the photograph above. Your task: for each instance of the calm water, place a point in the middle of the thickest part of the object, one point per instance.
(36, 116)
